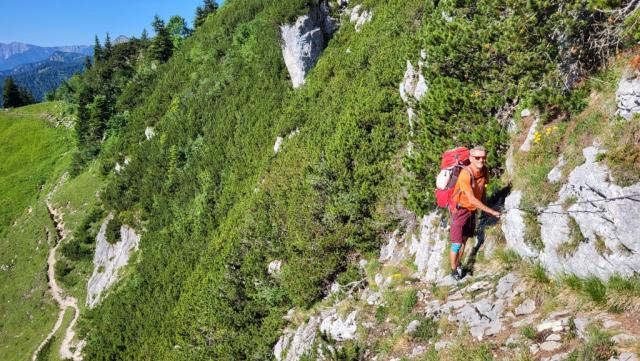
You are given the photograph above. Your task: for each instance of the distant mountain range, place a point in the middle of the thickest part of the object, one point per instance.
(44, 75)
(15, 54)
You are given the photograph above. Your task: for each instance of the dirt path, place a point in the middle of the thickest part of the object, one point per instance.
(57, 293)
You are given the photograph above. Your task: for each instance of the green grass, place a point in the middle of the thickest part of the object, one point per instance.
(32, 158)
(598, 347)
(31, 152)
(576, 237)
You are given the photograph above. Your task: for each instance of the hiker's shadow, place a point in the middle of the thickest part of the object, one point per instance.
(495, 201)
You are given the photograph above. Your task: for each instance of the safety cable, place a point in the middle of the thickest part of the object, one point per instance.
(538, 211)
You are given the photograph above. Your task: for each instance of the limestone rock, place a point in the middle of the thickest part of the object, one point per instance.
(525, 308)
(292, 345)
(414, 85)
(109, 259)
(429, 247)
(149, 133)
(274, 267)
(526, 146)
(550, 346)
(278, 145)
(525, 113)
(412, 327)
(513, 226)
(337, 328)
(304, 41)
(611, 245)
(556, 173)
(360, 16)
(554, 337)
(628, 97)
(623, 338)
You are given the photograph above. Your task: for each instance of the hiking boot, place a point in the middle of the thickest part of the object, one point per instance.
(460, 273)
(455, 275)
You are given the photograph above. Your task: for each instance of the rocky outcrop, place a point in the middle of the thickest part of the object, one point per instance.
(628, 96)
(360, 16)
(425, 243)
(591, 230)
(304, 41)
(294, 344)
(414, 85)
(109, 259)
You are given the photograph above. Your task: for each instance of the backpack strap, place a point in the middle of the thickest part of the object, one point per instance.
(473, 184)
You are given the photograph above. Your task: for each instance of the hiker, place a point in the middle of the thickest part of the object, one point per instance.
(468, 195)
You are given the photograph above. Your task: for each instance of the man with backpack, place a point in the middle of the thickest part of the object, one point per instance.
(461, 188)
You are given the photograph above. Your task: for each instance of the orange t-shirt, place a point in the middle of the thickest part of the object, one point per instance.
(464, 185)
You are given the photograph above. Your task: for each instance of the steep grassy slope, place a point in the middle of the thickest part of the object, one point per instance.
(225, 206)
(32, 157)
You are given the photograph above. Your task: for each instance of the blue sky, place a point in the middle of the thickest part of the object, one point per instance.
(76, 22)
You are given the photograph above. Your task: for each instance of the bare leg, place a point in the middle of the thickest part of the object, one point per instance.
(455, 257)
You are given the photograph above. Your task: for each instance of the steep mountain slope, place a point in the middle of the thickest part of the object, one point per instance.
(227, 206)
(269, 158)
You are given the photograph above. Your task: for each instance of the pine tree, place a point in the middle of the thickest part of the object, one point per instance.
(98, 55)
(87, 63)
(11, 93)
(161, 47)
(108, 47)
(202, 12)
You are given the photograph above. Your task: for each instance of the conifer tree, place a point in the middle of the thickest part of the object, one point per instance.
(161, 46)
(108, 47)
(11, 93)
(87, 63)
(202, 12)
(97, 51)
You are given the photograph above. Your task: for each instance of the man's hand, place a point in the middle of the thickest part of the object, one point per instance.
(496, 214)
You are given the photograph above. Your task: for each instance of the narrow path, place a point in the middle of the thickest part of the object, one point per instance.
(56, 292)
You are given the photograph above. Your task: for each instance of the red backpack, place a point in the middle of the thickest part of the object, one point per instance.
(453, 161)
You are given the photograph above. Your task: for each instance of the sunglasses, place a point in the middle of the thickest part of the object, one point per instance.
(483, 157)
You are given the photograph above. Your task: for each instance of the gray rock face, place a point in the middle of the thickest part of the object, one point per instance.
(304, 41)
(609, 228)
(109, 259)
(628, 97)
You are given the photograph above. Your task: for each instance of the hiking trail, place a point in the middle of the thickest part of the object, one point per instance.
(64, 302)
